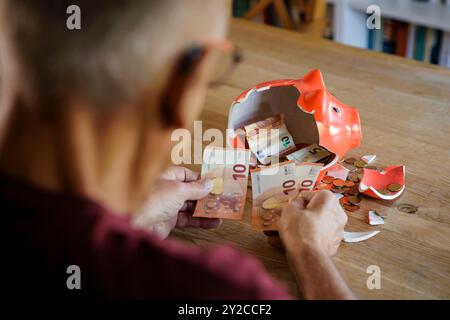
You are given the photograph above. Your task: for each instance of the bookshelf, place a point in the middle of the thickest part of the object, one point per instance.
(415, 29)
(421, 19)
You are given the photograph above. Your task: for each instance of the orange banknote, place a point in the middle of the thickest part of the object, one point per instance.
(228, 169)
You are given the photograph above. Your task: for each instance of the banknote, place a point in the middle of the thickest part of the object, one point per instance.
(268, 138)
(275, 185)
(272, 188)
(307, 175)
(311, 153)
(228, 168)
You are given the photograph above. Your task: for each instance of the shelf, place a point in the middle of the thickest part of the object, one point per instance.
(432, 15)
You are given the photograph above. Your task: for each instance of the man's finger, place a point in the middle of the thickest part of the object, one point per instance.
(316, 198)
(306, 195)
(162, 229)
(187, 175)
(195, 190)
(180, 174)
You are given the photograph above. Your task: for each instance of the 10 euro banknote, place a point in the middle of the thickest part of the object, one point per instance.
(228, 168)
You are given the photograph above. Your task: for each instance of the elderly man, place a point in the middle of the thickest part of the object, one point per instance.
(85, 123)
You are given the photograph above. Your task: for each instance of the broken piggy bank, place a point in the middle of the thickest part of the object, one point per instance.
(312, 114)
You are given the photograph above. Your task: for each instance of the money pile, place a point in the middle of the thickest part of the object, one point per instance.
(347, 188)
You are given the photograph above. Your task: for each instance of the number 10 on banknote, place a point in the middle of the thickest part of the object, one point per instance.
(228, 169)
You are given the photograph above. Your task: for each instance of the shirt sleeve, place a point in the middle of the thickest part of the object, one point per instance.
(133, 264)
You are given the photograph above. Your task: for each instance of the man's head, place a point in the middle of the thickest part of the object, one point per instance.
(130, 67)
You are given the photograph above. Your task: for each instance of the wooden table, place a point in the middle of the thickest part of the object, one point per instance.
(405, 113)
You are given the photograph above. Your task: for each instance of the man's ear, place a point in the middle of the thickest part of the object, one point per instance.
(184, 93)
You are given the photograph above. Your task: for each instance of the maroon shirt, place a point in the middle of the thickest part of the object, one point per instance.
(44, 233)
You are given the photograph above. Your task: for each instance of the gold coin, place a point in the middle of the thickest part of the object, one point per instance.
(275, 202)
(371, 168)
(353, 177)
(385, 192)
(394, 187)
(360, 164)
(217, 187)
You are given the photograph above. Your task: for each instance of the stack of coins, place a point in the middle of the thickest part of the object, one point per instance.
(269, 217)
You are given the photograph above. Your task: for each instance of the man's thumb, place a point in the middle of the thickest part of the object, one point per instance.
(197, 189)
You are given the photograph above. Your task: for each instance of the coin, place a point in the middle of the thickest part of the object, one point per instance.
(394, 187)
(267, 216)
(351, 207)
(353, 191)
(267, 223)
(275, 202)
(217, 187)
(339, 183)
(349, 183)
(350, 160)
(360, 176)
(371, 167)
(353, 177)
(338, 190)
(354, 199)
(360, 164)
(385, 192)
(324, 186)
(343, 200)
(328, 179)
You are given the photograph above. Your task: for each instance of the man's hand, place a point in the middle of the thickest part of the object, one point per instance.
(311, 229)
(313, 220)
(172, 202)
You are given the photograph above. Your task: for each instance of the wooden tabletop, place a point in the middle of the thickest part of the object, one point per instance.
(405, 114)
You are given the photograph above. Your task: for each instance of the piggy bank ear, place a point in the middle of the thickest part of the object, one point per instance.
(313, 100)
(314, 78)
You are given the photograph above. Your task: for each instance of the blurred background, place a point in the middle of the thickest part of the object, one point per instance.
(415, 29)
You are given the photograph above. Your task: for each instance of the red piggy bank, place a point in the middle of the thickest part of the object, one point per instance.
(312, 114)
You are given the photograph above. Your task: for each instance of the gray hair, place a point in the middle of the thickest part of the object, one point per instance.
(123, 45)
